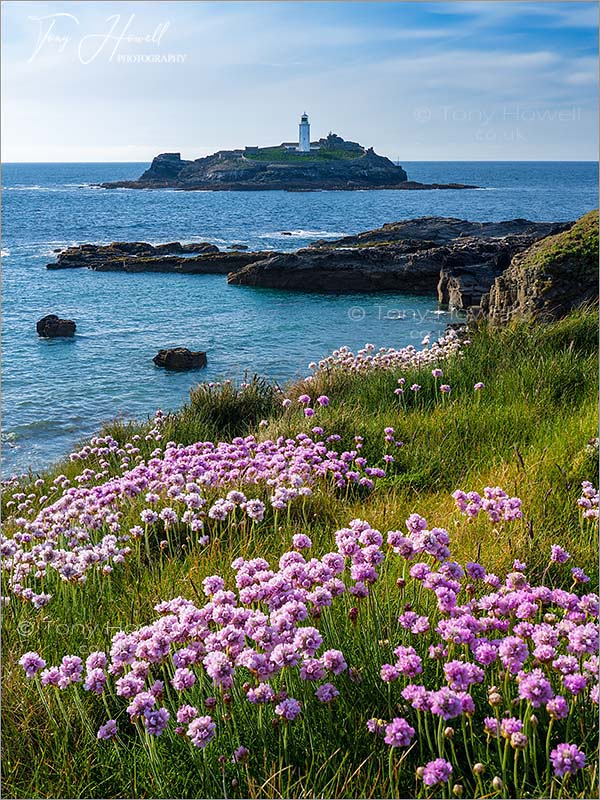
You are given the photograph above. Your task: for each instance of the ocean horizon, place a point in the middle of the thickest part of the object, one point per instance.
(56, 393)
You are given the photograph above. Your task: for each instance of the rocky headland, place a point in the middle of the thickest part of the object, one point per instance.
(544, 282)
(337, 165)
(492, 269)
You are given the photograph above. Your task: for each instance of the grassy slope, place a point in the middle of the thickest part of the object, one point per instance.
(577, 245)
(527, 432)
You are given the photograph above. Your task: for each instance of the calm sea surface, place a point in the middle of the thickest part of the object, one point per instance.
(57, 392)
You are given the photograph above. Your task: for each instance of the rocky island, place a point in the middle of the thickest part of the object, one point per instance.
(494, 269)
(331, 163)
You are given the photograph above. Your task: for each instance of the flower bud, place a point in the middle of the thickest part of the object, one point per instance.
(353, 614)
(401, 583)
(534, 721)
(497, 783)
(479, 768)
(449, 732)
(234, 783)
(457, 790)
(495, 699)
(420, 771)
(518, 741)
(355, 675)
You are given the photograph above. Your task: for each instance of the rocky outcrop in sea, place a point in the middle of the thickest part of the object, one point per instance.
(185, 259)
(455, 258)
(495, 270)
(53, 327)
(337, 165)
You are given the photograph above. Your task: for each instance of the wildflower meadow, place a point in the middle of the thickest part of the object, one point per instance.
(379, 581)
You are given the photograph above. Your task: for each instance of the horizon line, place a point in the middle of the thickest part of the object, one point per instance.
(403, 161)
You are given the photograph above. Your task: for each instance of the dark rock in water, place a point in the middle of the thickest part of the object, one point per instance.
(199, 258)
(53, 327)
(286, 233)
(237, 246)
(180, 358)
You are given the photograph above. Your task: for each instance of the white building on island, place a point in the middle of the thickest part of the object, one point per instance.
(304, 134)
(304, 144)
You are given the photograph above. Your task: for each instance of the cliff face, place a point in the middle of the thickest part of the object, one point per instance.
(550, 278)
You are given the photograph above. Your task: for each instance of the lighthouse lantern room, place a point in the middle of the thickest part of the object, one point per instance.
(304, 135)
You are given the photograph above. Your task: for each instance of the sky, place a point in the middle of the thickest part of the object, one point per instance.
(123, 81)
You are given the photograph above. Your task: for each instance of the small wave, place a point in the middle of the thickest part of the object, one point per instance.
(9, 438)
(41, 427)
(36, 188)
(112, 332)
(5, 252)
(301, 234)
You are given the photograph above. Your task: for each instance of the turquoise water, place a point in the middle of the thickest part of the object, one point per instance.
(57, 392)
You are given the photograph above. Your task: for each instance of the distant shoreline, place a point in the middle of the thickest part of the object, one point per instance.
(243, 187)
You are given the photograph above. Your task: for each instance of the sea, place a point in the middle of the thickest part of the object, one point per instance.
(55, 393)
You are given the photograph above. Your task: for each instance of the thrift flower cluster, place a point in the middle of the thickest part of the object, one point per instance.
(388, 358)
(257, 631)
(82, 529)
(588, 502)
(476, 658)
(495, 503)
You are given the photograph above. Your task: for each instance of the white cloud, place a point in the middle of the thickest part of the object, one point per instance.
(248, 74)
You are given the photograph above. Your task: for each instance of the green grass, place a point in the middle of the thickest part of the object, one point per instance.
(527, 431)
(278, 155)
(578, 245)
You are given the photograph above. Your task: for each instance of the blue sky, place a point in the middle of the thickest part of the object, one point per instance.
(417, 81)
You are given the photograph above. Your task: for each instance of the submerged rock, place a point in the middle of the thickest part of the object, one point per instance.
(180, 358)
(52, 327)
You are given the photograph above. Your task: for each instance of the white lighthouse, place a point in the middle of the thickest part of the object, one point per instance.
(304, 135)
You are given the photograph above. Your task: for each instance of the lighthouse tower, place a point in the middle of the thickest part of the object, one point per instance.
(304, 136)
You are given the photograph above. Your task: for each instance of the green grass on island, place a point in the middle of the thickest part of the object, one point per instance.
(279, 155)
(528, 431)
